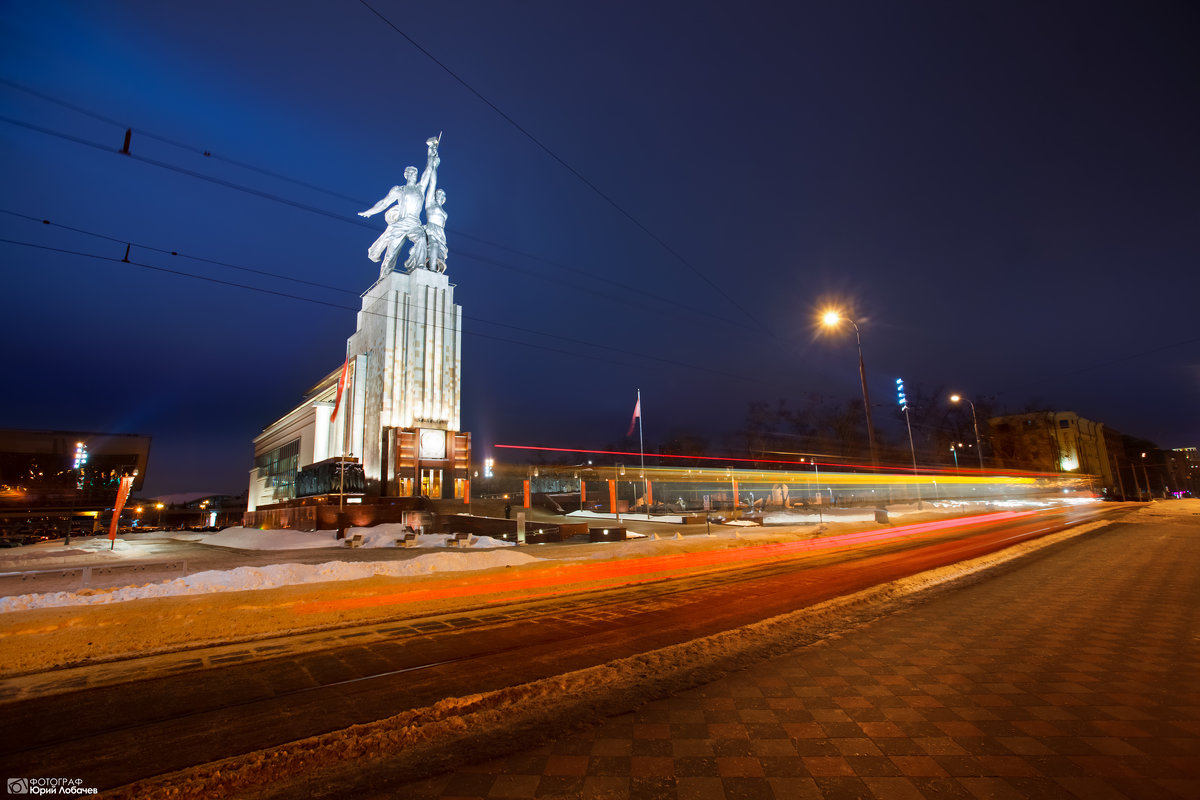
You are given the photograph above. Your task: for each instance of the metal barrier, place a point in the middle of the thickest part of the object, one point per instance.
(57, 580)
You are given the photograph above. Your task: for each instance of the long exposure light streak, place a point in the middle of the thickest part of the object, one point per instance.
(577, 577)
(804, 462)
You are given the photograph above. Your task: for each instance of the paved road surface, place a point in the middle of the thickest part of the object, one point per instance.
(1073, 675)
(209, 707)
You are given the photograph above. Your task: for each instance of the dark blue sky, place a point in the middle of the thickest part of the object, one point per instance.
(1005, 193)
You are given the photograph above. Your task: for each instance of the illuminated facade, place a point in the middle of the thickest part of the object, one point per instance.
(399, 412)
(400, 408)
(1055, 441)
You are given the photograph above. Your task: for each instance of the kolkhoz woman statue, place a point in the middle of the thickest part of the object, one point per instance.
(404, 219)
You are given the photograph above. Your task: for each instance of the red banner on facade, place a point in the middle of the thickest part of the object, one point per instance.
(122, 496)
(649, 494)
(612, 496)
(467, 492)
(582, 493)
(735, 496)
(527, 494)
(341, 387)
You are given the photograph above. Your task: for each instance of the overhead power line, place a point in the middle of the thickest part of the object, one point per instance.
(174, 142)
(640, 294)
(340, 306)
(293, 279)
(599, 192)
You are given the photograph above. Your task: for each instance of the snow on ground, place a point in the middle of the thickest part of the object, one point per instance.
(1189, 507)
(484, 553)
(451, 730)
(271, 576)
(27, 557)
(378, 536)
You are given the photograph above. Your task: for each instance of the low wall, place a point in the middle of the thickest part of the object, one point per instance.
(506, 529)
(318, 514)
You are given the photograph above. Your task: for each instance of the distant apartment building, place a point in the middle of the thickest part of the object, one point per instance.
(1059, 441)
(1183, 465)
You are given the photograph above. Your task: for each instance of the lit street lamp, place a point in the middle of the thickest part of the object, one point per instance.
(955, 398)
(831, 319)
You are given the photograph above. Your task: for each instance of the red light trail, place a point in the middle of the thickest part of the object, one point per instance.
(576, 577)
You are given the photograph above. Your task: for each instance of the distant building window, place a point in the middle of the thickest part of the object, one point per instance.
(1064, 423)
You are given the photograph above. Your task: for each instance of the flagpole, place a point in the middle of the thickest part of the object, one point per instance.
(641, 444)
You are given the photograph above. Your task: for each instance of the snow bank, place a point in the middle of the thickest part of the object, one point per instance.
(271, 576)
(378, 536)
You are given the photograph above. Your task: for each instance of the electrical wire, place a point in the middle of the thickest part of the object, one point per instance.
(282, 277)
(328, 304)
(541, 145)
(670, 305)
(173, 142)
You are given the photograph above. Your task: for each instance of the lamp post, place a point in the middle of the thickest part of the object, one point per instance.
(902, 401)
(956, 398)
(831, 319)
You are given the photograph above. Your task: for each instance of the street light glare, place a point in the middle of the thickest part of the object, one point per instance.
(831, 318)
(954, 398)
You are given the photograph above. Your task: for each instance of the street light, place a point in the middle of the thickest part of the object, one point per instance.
(831, 319)
(902, 401)
(955, 398)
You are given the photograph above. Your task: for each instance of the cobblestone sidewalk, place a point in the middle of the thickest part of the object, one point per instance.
(1075, 674)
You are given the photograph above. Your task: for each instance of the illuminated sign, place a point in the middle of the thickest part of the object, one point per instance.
(81, 455)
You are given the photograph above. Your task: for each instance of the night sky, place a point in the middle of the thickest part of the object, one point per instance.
(1006, 195)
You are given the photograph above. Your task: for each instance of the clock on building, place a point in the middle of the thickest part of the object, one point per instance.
(433, 443)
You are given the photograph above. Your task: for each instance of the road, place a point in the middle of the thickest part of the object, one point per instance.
(268, 693)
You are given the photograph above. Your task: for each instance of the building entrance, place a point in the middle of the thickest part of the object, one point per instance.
(431, 483)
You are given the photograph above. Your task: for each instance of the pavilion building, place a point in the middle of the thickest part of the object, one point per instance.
(399, 413)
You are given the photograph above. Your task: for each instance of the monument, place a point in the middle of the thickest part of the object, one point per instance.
(393, 407)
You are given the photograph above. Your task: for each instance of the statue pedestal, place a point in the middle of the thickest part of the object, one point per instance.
(407, 354)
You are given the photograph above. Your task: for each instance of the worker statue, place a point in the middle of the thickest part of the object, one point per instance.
(403, 216)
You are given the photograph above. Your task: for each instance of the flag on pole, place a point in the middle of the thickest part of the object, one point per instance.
(637, 412)
(341, 388)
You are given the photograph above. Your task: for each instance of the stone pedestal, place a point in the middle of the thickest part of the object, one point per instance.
(406, 387)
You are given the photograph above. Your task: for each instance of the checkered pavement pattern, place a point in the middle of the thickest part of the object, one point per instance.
(1073, 675)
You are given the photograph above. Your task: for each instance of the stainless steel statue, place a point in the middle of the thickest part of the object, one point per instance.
(428, 249)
